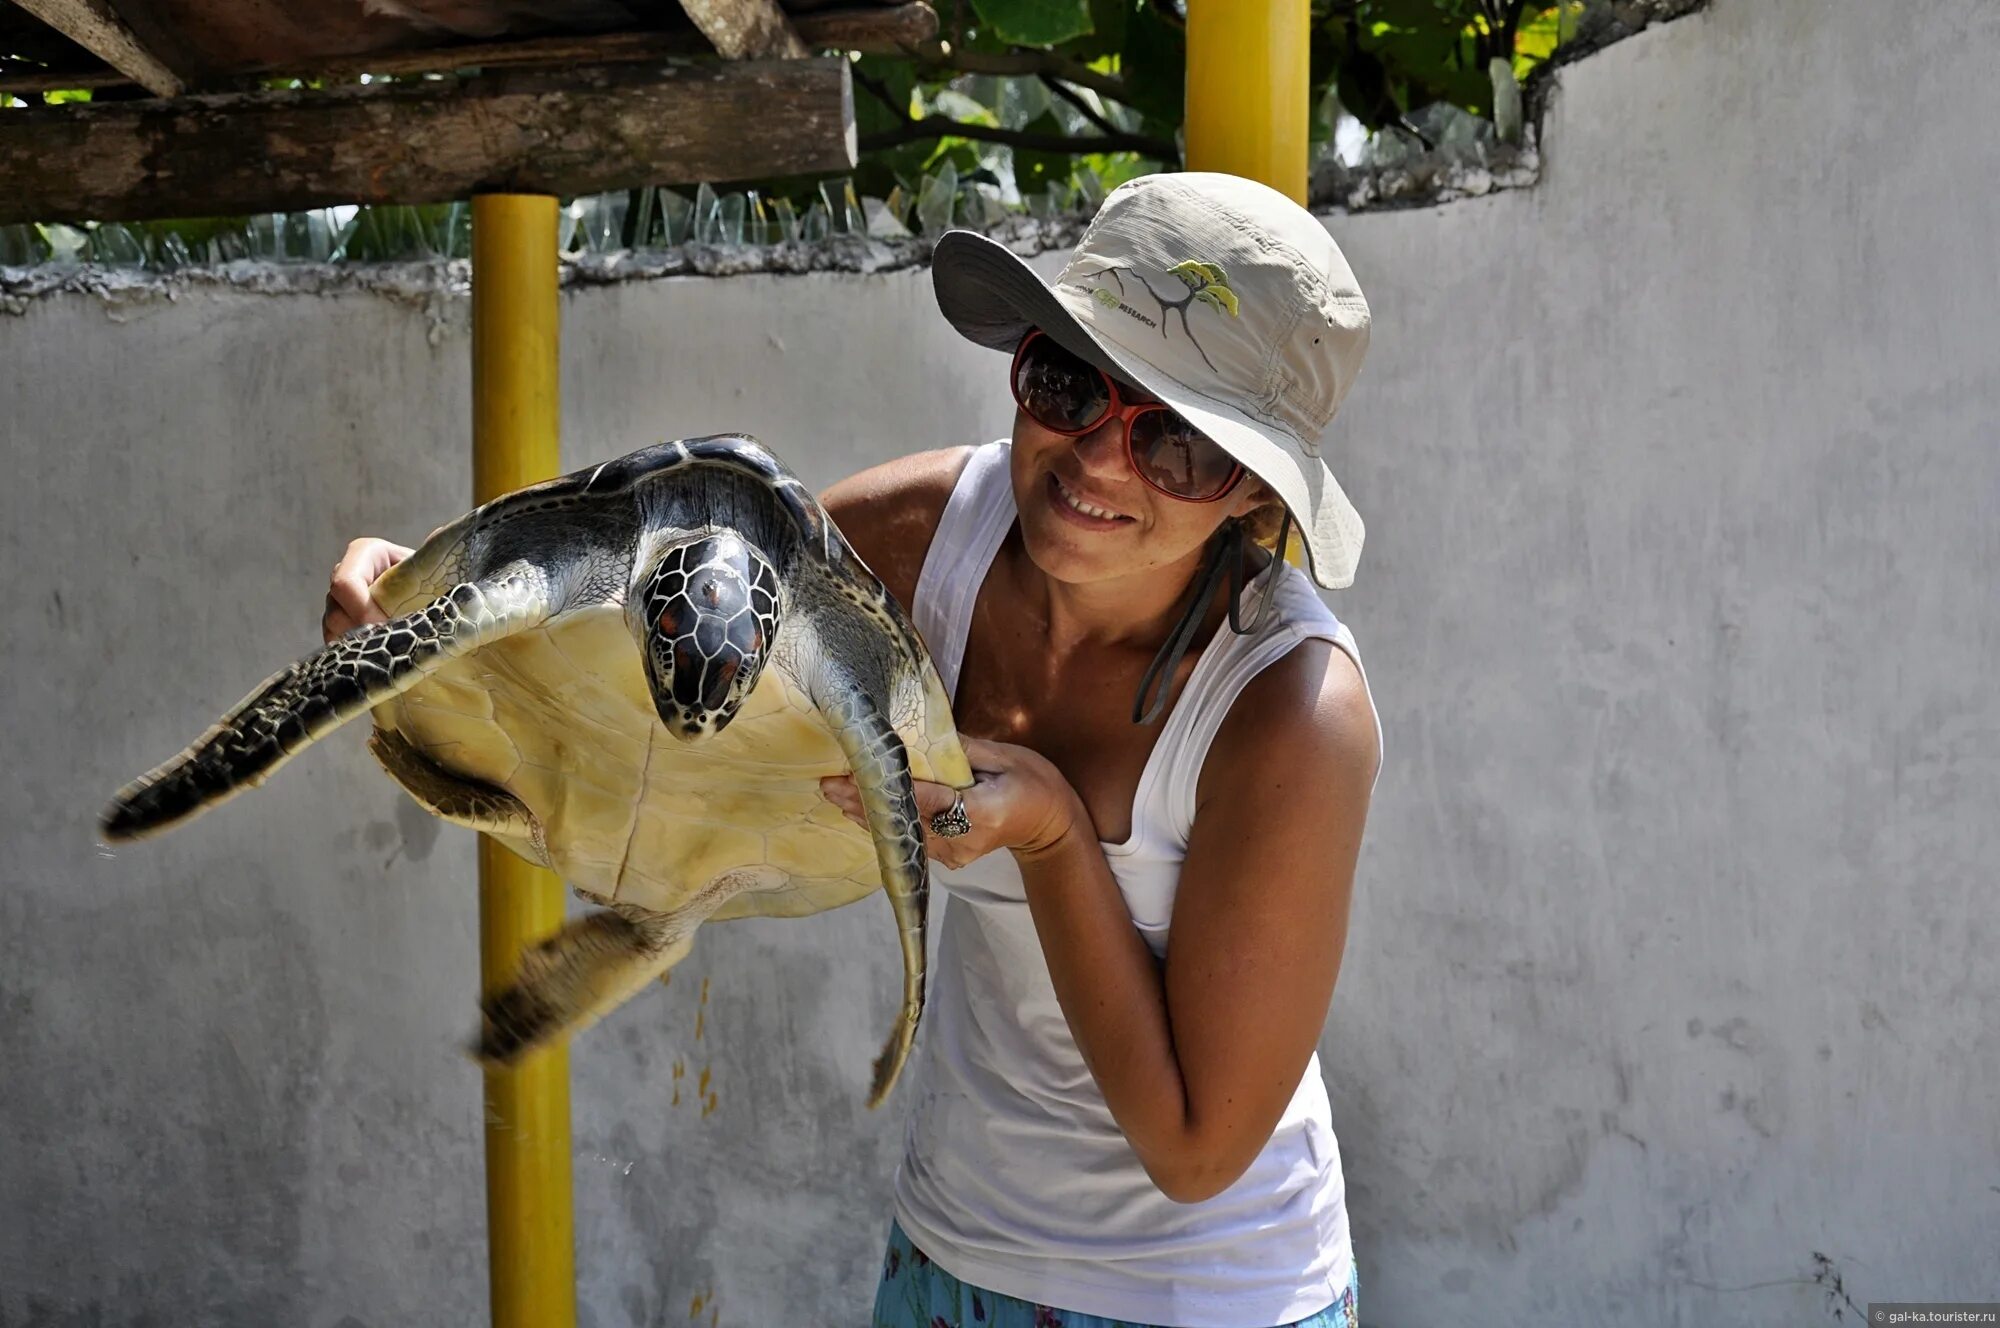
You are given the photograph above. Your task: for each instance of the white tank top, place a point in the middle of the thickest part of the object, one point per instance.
(1014, 1175)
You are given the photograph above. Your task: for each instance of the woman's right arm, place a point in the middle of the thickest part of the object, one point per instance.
(888, 514)
(348, 603)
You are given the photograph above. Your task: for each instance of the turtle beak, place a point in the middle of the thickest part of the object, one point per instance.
(695, 697)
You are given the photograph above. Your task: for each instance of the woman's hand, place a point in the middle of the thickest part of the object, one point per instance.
(348, 604)
(1019, 802)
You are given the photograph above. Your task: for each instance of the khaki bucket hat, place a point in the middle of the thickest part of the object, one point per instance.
(1218, 295)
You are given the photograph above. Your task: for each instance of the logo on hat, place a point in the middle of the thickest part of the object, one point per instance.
(1205, 282)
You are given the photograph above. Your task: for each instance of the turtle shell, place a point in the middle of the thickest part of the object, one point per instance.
(561, 717)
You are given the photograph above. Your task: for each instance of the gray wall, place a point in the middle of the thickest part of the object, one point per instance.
(1670, 994)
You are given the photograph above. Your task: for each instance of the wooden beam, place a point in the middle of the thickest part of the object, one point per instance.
(42, 80)
(92, 24)
(569, 131)
(746, 29)
(891, 30)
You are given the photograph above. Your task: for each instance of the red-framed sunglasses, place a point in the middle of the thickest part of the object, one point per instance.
(1070, 396)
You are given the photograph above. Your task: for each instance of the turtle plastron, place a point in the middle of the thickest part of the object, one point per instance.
(467, 802)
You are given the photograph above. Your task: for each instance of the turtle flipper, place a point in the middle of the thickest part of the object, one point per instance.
(467, 802)
(301, 704)
(882, 774)
(577, 976)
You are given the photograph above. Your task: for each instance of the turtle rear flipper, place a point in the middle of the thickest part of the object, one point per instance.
(596, 963)
(301, 704)
(575, 977)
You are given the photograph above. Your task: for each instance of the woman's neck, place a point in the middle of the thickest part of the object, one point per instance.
(1137, 611)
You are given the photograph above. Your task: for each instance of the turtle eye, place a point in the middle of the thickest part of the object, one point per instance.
(712, 605)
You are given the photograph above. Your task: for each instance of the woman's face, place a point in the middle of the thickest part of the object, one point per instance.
(1132, 528)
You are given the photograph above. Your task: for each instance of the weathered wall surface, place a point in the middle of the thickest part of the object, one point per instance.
(1670, 991)
(233, 1084)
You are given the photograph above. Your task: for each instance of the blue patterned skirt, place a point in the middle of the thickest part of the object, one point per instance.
(916, 1293)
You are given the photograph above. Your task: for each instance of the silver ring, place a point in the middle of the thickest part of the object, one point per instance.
(952, 821)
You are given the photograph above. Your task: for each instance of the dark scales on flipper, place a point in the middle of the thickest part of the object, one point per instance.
(300, 704)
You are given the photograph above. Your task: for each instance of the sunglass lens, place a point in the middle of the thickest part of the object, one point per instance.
(1058, 390)
(1179, 458)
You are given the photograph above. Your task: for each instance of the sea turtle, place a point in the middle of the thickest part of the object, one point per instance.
(635, 674)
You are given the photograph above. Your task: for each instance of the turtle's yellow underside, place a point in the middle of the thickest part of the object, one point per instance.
(560, 717)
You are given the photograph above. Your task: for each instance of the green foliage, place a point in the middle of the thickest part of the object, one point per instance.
(1541, 31)
(1061, 100)
(1377, 60)
(1035, 22)
(1152, 64)
(1426, 51)
(1035, 172)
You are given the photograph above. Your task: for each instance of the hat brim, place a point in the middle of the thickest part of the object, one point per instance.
(994, 298)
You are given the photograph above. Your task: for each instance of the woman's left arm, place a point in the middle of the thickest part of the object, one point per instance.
(1197, 1057)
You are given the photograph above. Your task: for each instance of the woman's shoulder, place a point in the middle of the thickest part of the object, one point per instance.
(889, 513)
(1308, 712)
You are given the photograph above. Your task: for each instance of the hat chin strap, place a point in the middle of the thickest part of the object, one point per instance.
(1225, 561)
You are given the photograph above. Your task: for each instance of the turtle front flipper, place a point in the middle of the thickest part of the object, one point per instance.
(300, 705)
(882, 774)
(454, 798)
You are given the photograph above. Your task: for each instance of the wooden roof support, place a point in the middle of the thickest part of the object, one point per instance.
(548, 131)
(40, 81)
(890, 30)
(92, 24)
(746, 29)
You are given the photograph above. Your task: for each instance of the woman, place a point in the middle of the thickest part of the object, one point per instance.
(1172, 736)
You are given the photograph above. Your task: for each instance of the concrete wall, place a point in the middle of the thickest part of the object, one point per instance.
(1670, 991)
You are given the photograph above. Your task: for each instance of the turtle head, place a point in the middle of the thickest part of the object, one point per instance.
(707, 612)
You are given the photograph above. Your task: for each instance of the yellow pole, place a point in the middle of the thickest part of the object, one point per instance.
(531, 1248)
(1249, 101)
(1248, 86)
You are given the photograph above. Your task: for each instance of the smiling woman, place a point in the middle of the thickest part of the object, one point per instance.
(1117, 1116)
(1106, 1127)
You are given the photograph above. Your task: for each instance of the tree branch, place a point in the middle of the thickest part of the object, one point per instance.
(1022, 64)
(938, 126)
(1074, 98)
(877, 89)
(747, 29)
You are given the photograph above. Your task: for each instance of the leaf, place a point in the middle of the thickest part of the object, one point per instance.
(1221, 297)
(1035, 22)
(1197, 274)
(1537, 38)
(1115, 168)
(956, 105)
(896, 78)
(1034, 171)
(1153, 67)
(1428, 51)
(1107, 31)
